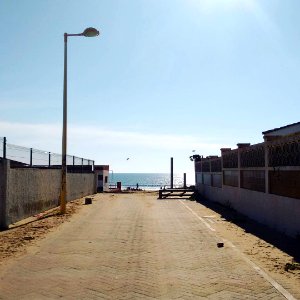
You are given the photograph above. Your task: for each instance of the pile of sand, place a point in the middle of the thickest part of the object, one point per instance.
(13, 242)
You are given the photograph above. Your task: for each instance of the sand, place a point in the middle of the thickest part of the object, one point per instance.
(14, 242)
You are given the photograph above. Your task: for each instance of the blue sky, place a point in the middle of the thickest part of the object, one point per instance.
(164, 77)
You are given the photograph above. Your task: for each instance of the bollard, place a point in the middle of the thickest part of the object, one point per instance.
(160, 194)
(88, 200)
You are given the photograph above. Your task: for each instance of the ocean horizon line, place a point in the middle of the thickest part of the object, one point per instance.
(147, 179)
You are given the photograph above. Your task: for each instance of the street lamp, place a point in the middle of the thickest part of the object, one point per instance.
(89, 32)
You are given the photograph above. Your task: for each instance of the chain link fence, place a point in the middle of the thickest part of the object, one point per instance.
(34, 157)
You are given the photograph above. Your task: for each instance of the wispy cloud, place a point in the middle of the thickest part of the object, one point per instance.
(148, 152)
(20, 103)
(49, 136)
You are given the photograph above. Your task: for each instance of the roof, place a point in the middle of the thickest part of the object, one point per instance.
(279, 128)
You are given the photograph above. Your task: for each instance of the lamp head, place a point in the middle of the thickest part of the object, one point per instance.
(90, 32)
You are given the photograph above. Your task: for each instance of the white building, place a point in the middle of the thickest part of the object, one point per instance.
(102, 173)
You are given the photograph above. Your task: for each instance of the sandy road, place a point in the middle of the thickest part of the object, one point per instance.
(133, 246)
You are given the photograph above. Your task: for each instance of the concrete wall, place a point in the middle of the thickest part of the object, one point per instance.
(3, 180)
(80, 185)
(278, 212)
(30, 191)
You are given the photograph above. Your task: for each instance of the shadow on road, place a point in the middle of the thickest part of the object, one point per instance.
(281, 241)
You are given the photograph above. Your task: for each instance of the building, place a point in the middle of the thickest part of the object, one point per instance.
(102, 175)
(277, 133)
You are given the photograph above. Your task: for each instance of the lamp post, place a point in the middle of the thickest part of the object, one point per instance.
(89, 32)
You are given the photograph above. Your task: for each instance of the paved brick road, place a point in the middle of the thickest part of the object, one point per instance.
(133, 247)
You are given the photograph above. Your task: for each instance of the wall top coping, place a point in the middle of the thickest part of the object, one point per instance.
(243, 145)
(225, 150)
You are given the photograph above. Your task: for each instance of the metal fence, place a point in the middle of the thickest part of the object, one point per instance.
(34, 157)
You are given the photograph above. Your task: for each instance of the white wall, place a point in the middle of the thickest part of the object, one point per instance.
(101, 184)
(280, 213)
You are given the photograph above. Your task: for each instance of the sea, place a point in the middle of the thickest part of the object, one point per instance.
(146, 181)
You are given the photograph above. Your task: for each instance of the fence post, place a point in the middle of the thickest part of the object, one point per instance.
(210, 174)
(171, 179)
(239, 167)
(49, 163)
(81, 165)
(93, 165)
(223, 150)
(73, 160)
(4, 147)
(202, 179)
(4, 194)
(30, 157)
(267, 186)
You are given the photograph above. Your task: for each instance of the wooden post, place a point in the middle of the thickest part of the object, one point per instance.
(171, 183)
(184, 180)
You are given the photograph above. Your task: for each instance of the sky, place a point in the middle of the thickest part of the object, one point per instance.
(164, 78)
